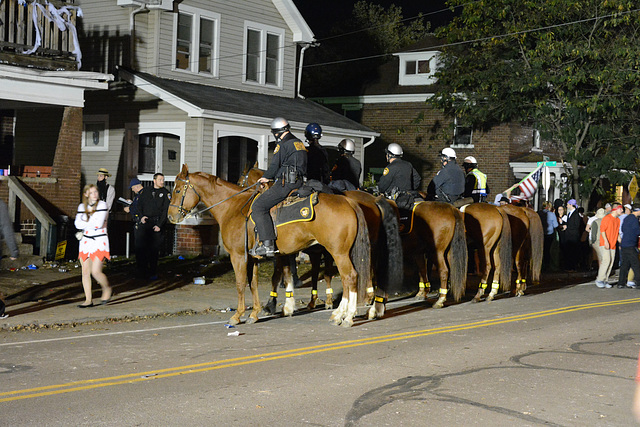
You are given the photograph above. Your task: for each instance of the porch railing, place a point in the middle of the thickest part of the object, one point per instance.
(50, 33)
(47, 224)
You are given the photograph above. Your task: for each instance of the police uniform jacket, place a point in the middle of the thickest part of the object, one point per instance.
(399, 173)
(450, 181)
(289, 153)
(154, 203)
(317, 163)
(348, 168)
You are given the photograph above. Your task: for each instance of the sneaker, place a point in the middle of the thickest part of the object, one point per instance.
(631, 285)
(602, 284)
(621, 286)
(608, 285)
(4, 316)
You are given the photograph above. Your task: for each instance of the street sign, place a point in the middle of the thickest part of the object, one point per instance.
(633, 188)
(548, 164)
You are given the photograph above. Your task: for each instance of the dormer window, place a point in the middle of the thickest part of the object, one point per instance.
(417, 68)
(263, 49)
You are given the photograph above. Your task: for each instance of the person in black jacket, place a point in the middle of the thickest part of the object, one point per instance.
(573, 232)
(317, 156)
(345, 174)
(399, 175)
(288, 168)
(153, 204)
(448, 184)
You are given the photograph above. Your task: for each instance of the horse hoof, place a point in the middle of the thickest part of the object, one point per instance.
(347, 323)
(519, 293)
(437, 304)
(270, 307)
(234, 320)
(335, 322)
(420, 297)
(251, 320)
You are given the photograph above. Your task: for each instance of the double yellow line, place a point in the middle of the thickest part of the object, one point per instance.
(265, 357)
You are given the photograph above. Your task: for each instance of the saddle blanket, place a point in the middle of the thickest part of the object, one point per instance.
(294, 209)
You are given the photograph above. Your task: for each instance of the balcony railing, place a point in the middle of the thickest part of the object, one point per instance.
(35, 28)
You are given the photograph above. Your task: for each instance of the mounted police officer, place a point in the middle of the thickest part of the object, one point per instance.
(288, 168)
(475, 185)
(448, 184)
(317, 156)
(345, 174)
(399, 176)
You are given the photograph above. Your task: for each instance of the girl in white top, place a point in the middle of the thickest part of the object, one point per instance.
(94, 245)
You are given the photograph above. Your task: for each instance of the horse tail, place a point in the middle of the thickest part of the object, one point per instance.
(458, 258)
(537, 245)
(506, 248)
(389, 271)
(360, 253)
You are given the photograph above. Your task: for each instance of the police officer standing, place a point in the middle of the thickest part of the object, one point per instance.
(153, 204)
(345, 174)
(317, 156)
(288, 168)
(448, 184)
(399, 175)
(139, 243)
(475, 185)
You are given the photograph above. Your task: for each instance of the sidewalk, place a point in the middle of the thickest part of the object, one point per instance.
(49, 297)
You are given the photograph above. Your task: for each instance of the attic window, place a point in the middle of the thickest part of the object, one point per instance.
(417, 67)
(196, 41)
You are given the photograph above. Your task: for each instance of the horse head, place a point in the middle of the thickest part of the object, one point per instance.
(184, 197)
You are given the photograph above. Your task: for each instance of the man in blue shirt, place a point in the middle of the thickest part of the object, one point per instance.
(630, 231)
(550, 223)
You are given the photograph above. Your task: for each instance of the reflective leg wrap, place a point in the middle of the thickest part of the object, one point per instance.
(329, 291)
(483, 286)
(370, 290)
(314, 292)
(288, 294)
(273, 294)
(444, 291)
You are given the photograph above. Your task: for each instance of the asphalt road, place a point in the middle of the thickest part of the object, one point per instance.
(564, 357)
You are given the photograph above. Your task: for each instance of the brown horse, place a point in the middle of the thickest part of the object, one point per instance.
(488, 229)
(437, 234)
(520, 242)
(536, 235)
(338, 225)
(381, 217)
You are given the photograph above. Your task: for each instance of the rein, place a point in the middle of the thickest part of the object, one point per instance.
(188, 186)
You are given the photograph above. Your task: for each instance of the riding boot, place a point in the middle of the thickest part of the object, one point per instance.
(267, 248)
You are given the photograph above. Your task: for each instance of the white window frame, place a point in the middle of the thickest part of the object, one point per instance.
(455, 132)
(264, 30)
(194, 62)
(417, 79)
(173, 128)
(536, 141)
(96, 118)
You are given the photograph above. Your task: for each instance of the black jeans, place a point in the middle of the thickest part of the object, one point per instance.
(628, 259)
(147, 246)
(263, 203)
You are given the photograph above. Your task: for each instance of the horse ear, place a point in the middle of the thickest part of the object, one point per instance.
(185, 169)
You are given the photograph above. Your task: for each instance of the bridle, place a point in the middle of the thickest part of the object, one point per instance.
(187, 185)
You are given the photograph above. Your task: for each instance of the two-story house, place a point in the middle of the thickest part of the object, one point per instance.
(395, 105)
(198, 82)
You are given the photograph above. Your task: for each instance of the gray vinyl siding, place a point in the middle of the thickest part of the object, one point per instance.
(232, 18)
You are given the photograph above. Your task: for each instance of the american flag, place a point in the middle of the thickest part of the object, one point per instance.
(529, 185)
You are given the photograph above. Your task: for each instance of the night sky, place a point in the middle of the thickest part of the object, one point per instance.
(321, 15)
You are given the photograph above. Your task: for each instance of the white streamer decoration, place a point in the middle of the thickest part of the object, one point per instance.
(61, 17)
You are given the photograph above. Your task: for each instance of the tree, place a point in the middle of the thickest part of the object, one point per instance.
(356, 46)
(568, 67)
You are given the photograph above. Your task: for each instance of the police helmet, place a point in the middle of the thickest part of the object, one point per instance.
(313, 131)
(394, 150)
(347, 145)
(471, 160)
(279, 126)
(447, 154)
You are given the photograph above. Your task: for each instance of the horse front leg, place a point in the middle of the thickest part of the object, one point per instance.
(314, 259)
(377, 309)
(240, 268)
(253, 317)
(423, 286)
(328, 267)
(290, 302)
(272, 302)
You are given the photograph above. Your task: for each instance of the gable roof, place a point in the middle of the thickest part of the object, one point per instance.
(291, 15)
(245, 107)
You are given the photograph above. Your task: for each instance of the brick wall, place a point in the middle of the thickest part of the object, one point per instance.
(196, 239)
(423, 139)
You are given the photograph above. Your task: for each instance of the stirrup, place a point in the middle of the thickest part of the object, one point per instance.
(264, 250)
